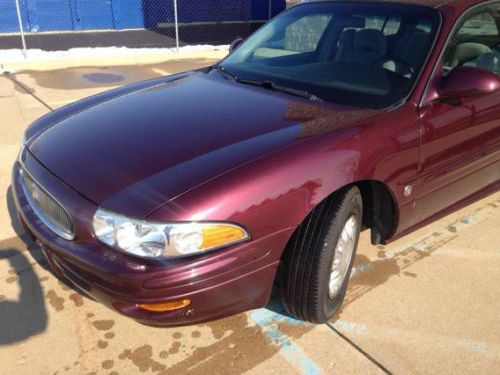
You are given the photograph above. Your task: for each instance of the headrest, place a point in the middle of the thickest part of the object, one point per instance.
(468, 51)
(347, 36)
(370, 40)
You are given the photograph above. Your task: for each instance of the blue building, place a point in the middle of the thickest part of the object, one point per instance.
(77, 15)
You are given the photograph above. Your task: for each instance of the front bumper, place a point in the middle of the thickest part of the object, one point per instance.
(218, 284)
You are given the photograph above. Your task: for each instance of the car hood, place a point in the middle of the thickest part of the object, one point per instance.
(136, 150)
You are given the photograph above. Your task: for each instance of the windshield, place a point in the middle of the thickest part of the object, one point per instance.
(358, 54)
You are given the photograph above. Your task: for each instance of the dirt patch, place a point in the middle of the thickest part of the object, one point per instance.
(11, 279)
(142, 357)
(102, 344)
(103, 325)
(380, 271)
(235, 340)
(107, 364)
(174, 348)
(77, 299)
(55, 301)
(294, 331)
(410, 274)
(195, 334)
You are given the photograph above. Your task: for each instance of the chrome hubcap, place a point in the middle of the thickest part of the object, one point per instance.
(342, 256)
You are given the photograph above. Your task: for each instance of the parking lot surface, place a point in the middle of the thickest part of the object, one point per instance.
(428, 303)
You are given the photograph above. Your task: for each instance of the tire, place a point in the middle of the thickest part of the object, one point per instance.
(308, 258)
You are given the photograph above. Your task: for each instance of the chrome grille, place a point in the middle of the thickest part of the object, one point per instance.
(52, 214)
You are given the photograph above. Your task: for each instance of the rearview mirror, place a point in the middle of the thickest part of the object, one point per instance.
(235, 44)
(468, 81)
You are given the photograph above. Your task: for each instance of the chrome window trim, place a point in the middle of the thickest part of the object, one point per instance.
(40, 214)
(452, 33)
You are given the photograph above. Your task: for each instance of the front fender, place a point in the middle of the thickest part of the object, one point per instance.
(273, 193)
(278, 191)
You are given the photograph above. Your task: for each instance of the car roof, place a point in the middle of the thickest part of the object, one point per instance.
(457, 4)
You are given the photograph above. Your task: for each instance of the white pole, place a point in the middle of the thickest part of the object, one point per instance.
(270, 9)
(21, 29)
(176, 20)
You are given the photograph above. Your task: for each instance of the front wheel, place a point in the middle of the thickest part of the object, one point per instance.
(318, 260)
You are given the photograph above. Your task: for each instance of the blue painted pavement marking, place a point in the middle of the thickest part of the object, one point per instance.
(291, 351)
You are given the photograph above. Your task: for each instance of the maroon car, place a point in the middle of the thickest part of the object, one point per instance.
(187, 198)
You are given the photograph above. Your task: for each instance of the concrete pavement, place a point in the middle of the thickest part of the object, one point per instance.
(427, 303)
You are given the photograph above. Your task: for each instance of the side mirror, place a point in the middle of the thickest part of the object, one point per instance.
(468, 81)
(235, 44)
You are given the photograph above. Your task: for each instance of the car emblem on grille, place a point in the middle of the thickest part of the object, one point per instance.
(35, 193)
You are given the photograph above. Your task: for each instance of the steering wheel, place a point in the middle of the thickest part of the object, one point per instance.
(407, 67)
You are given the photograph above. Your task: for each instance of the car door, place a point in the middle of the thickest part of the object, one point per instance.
(460, 140)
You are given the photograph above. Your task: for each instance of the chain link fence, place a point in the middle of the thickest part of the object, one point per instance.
(59, 25)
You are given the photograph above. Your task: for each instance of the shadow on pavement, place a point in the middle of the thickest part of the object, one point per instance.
(27, 316)
(34, 250)
(31, 246)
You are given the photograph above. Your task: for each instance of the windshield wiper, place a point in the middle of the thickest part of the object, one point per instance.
(270, 85)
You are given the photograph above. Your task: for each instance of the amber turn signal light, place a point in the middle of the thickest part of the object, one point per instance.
(217, 235)
(166, 306)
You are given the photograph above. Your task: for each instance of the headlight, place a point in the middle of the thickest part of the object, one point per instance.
(153, 239)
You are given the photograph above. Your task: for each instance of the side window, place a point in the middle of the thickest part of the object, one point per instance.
(476, 42)
(304, 34)
(479, 25)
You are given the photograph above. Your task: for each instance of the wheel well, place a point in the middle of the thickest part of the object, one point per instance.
(379, 210)
(379, 213)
